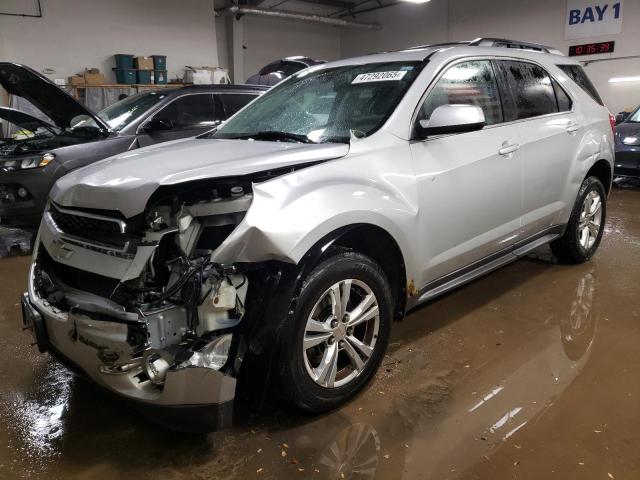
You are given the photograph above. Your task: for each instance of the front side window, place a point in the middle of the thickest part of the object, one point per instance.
(467, 83)
(234, 102)
(531, 90)
(326, 105)
(192, 111)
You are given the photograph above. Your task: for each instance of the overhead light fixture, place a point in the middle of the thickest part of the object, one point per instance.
(416, 1)
(624, 79)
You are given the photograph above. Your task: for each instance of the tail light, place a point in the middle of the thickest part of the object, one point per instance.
(612, 121)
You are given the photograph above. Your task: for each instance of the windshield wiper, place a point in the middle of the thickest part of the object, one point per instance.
(273, 135)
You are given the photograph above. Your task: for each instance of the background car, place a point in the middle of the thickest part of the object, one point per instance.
(278, 70)
(628, 146)
(52, 133)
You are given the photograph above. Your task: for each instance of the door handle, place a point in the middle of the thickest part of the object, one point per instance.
(573, 128)
(508, 148)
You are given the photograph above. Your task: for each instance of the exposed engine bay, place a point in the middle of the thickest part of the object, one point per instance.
(174, 308)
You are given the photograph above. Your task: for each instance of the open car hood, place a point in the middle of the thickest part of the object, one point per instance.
(126, 181)
(22, 119)
(55, 103)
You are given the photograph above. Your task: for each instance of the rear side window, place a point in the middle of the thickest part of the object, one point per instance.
(530, 88)
(578, 75)
(233, 102)
(468, 83)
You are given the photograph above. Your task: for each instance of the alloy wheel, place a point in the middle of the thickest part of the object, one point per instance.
(341, 333)
(590, 220)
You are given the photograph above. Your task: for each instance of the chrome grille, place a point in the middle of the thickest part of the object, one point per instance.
(97, 229)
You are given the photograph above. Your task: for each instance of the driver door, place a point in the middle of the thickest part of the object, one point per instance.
(186, 116)
(469, 184)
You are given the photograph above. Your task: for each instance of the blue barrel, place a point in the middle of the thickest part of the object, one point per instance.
(144, 76)
(125, 75)
(160, 76)
(159, 62)
(124, 60)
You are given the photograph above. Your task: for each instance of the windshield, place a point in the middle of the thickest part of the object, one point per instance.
(634, 117)
(325, 105)
(122, 113)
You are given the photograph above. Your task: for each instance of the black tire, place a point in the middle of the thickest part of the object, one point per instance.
(296, 383)
(568, 248)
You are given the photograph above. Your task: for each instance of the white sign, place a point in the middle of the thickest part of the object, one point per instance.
(379, 77)
(593, 18)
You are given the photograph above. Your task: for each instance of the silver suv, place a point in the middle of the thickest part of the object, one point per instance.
(276, 250)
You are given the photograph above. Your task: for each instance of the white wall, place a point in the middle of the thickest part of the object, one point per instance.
(267, 39)
(540, 21)
(264, 39)
(404, 25)
(75, 34)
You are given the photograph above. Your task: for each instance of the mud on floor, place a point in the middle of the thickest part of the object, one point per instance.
(529, 373)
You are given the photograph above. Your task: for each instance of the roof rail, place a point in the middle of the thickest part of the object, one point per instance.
(503, 42)
(437, 45)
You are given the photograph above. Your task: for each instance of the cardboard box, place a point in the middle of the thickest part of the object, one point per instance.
(76, 80)
(94, 79)
(92, 70)
(144, 63)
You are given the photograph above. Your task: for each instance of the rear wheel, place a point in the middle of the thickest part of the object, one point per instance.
(586, 224)
(338, 333)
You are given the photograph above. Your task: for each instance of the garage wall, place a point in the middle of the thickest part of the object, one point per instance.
(265, 39)
(74, 34)
(539, 21)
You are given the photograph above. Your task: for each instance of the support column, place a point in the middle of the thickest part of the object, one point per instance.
(236, 27)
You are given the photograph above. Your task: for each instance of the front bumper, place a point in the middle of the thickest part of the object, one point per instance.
(192, 398)
(627, 162)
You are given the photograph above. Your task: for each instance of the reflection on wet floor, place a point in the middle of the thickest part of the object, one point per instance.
(531, 372)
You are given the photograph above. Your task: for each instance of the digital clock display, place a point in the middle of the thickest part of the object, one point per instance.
(591, 49)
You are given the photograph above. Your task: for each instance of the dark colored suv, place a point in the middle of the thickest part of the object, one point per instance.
(51, 133)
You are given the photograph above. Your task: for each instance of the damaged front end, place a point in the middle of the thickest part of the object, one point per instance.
(138, 305)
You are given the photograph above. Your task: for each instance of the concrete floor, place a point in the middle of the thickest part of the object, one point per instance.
(529, 373)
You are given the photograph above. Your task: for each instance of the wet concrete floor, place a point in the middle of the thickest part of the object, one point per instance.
(529, 373)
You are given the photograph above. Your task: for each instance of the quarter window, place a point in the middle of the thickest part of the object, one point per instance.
(467, 83)
(192, 111)
(532, 92)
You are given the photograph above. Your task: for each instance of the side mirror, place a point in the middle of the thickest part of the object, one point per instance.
(157, 124)
(621, 117)
(451, 119)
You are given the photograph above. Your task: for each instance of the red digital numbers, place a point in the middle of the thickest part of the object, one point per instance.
(591, 48)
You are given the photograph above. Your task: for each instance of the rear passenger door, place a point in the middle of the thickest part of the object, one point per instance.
(186, 116)
(547, 126)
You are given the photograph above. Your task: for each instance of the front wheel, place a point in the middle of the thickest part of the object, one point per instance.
(586, 224)
(337, 334)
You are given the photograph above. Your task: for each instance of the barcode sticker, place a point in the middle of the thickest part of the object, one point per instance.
(379, 77)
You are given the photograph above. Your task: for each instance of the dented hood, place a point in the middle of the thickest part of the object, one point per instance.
(125, 182)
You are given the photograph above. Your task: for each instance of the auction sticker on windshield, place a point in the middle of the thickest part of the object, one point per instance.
(378, 77)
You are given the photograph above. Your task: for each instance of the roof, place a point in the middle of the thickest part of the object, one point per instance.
(480, 46)
(225, 87)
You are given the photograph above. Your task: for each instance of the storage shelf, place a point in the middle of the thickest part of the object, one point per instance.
(75, 89)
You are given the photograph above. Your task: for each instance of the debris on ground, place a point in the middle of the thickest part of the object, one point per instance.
(14, 242)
